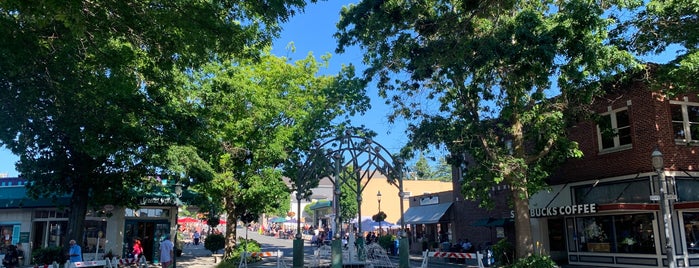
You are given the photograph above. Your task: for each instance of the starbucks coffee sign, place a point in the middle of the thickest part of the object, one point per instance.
(563, 210)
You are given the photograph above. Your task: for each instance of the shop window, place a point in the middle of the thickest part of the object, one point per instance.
(634, 233)
(9, 236)
(614, 130)
(637, 191)
(94, 231)
(687, 188)
(49, 233)
(691, 231)
(685, 121)
(616, 234)
(147, 212)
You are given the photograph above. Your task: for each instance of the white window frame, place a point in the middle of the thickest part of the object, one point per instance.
(617, 143)
(685, 122)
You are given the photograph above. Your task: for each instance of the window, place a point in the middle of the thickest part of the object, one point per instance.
(685, 121)
(614, 130)
(631, 233)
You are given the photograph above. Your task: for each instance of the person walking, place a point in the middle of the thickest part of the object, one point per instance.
(11, 259)
(196, 236)
(167, 252)
(137, 249)
(75, 253)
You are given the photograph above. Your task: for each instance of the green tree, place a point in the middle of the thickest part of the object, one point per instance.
(422, 168)
(88, 96)
(348, 197)
(668, 28)
(487, 71)
(309, 214)
(442, 172)
(260, 114)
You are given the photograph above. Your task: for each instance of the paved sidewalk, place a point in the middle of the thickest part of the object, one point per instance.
(195, 257)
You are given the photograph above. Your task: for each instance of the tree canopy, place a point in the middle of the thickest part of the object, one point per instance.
(478, 77)
(260, 114)
(89, 99)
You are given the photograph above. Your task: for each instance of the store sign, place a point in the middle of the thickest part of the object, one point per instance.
(157, 201)
(563, 210)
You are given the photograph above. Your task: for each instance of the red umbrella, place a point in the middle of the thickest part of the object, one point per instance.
(221, 221)
(186, 220)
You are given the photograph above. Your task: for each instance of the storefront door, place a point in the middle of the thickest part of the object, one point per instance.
(150, 233)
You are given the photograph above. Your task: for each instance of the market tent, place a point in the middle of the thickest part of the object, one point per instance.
(185, 220)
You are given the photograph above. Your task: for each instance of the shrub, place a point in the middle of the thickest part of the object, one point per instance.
(386, 242)
(503, 252)
(214, 243)
(534, 261)
(48, 255)
(248, 245)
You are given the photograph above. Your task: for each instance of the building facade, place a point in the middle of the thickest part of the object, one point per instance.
(604, 209)
(41, 223)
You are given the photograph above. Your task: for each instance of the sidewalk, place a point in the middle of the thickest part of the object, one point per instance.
(196, 257)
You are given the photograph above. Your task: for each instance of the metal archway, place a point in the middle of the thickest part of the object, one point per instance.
(345, 158)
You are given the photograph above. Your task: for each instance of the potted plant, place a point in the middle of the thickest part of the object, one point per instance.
(214, 243)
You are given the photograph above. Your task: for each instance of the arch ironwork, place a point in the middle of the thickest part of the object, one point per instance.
(342, 159)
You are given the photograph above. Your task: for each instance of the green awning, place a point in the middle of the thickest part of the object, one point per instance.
(491, 222)
(321, 204)
(16, 197)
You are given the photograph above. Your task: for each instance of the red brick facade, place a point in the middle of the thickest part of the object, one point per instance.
(651, 127)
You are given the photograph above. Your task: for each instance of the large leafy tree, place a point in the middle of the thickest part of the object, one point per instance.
(478, 78)
(88, 95)
(670, 29)
(261, 114)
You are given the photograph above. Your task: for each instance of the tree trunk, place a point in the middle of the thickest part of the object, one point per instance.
(76, 218)
(231, 226)
(523, 231)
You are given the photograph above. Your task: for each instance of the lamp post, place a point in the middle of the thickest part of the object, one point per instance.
(378, 197)
(658, 165)
(178, 193)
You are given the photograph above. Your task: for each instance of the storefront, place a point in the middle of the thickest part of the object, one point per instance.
(33, 224)
(614, 223)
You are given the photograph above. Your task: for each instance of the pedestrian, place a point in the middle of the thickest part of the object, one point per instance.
(11, 259)
(167, 252)
(196, 236)
(137, 248)
(75, 253)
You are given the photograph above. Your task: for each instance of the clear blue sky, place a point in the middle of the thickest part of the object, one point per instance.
(312, 31)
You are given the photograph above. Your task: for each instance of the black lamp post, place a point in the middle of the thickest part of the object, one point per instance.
(178, 193)
(665, 196)
(378, 197)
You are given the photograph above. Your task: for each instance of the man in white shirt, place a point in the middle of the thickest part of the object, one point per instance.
(167, 252)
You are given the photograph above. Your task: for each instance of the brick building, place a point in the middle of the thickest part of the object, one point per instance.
(600, 211)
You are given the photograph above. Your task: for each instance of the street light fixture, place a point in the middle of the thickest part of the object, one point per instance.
(659, 166)
(178, 193)
(378, 197)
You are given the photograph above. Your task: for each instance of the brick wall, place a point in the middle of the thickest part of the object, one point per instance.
(651, 127)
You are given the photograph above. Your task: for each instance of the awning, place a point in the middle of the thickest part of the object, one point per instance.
(491, 222)
(426, 214)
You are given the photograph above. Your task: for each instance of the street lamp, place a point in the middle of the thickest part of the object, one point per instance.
(178, 193)
(658, 165)
(378, 197)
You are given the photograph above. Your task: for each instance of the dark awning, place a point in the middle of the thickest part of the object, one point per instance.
(491, 222)
(426, 214)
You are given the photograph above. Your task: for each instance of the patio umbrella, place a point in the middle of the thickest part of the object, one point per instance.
(278, 220)
(186, 220)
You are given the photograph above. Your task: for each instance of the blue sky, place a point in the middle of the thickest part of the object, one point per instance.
(312, 31)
